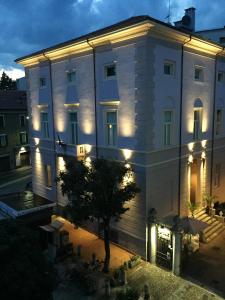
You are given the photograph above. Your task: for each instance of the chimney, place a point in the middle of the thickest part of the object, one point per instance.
(188, 20)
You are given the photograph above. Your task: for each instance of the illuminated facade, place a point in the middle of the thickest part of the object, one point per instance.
(140, 91)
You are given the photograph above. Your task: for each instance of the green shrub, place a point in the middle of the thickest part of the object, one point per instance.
(129, 294)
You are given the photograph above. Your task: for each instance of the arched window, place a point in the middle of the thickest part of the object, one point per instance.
(197, 125)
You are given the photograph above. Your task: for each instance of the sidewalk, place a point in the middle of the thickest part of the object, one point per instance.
(163, 285)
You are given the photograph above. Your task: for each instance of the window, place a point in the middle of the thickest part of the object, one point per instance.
(22, 121)
(199, 76)
(169, 68)
(71, 76)
(73, 128)
(110, 71)
(2, 121)
(221, 77)
(23, 138)
(3, 140)
(111, 128)
(44, 125)
(168, 115)
(218, 121)
(222, 39)
(197, 130)
(217, 175)
(42, 82)
(48, 175)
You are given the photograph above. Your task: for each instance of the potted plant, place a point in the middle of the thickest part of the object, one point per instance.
(209, 201)
(192, 206)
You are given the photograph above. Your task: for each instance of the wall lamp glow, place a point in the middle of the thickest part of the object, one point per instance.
(127, 153)
(36, 141)
(190, 159)
(203, 158)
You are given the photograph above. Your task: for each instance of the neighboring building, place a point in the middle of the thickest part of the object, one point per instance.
(14, 145)
(156, 100)
(217, 35)
(21, 84)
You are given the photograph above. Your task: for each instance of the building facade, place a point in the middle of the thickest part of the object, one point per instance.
(139, 91)
(14, 146)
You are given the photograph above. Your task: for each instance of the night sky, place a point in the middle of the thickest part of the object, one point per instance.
(30, 25)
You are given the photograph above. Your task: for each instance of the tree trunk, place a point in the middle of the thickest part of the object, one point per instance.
(107, 245)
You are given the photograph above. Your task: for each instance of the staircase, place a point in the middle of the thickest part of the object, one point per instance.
(214, 226)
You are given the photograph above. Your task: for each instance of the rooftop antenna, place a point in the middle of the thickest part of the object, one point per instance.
(168, 16)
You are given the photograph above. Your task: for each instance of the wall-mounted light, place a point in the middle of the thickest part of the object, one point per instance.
(127, 153)
(36, 141)
(190, 159)
(203, 143)
(191, 146)
(203, 158)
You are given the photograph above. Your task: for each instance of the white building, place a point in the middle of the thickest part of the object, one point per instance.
(141, 91)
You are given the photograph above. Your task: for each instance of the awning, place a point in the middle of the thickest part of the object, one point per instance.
(193, 226)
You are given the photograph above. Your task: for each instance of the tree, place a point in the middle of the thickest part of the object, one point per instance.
(98, 190)
(24, 272)
(6, 83)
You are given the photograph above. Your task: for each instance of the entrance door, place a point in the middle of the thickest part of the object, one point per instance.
(25, 159)
(194, 181)
(164, 253)
(4, 163)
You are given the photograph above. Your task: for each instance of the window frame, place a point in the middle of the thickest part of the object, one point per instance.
(43, 126)
(199, 131)
(23, 133)
(24, 116)
(113, 77)
(172, 64)
(222, 78)
(41, 81)
(6, 140)
(68, 73)
(220, 123)
(3, 116)
(201, 69)
(106, 128)
(48, 176)
(165, 126)
(76, 128)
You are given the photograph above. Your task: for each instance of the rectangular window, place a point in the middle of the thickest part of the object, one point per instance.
(197, 129)
(73, 128)
(23, 138)
(22, 121)
(42, 82)
(218, 121)
(110, 71)
(111, 128)
(71, 76)
(3, 140)
(169, 68)
(221, 77)
(48, 175)
(2, 121)
(44, 125)
(168, 119)
(217, 175)
(222, 39)
(199, 75)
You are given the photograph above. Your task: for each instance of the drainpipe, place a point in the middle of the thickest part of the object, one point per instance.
(181, 117)
(95, 97)
(213, 122)
(53, 122)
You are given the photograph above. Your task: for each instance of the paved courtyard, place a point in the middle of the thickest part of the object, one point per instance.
(208, 265)
(162, 284)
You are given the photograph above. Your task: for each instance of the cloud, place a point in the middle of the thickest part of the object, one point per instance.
(29, 26)
(13, 73)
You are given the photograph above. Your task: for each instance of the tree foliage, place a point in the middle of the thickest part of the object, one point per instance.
(6, 83)
(97, 191)
(24, 272)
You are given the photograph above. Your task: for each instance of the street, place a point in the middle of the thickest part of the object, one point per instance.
(14, 180)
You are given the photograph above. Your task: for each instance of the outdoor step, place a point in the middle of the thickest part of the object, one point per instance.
(211, 229)
(199, 213)
(214, 235)
(206, 218)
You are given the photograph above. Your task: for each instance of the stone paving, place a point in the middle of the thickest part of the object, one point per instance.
(163, 285)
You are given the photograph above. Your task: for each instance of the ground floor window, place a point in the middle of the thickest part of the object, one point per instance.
(48, 175)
